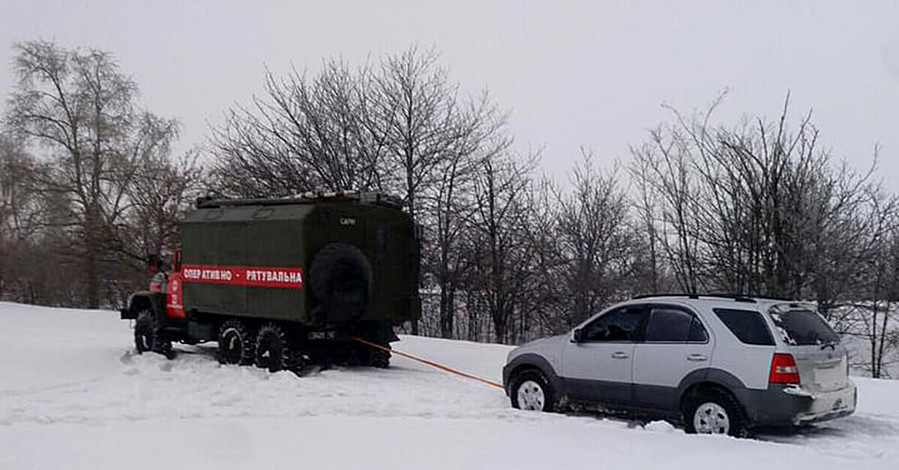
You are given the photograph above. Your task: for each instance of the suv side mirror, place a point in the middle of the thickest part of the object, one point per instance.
(577, 336)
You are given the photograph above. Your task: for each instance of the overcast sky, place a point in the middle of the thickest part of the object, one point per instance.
(571, 73)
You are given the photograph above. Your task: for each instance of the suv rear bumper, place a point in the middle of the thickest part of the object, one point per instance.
(785, 405)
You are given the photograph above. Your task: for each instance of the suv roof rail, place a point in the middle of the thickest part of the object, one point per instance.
(738, 298)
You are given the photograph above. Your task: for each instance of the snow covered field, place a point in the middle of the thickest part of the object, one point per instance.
(74, 396)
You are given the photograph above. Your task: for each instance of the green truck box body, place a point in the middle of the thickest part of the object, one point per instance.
(289, 234)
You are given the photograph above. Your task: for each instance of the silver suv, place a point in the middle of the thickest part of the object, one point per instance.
(716, 364)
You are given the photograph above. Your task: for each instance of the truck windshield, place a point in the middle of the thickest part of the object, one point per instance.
(802, 327)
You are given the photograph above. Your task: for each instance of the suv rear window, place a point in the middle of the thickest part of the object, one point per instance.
(747, 325)
(802, 327)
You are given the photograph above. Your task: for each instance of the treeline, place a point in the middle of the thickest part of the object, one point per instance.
(759, 208)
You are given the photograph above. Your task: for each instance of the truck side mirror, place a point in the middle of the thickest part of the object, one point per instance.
(176, 260)
(577, 336)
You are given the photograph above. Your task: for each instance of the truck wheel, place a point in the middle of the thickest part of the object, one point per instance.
(340, 278)
(236, 344)
(272, 351)
(144, 331)
(369, 356)
(379, 359)
(147, 336)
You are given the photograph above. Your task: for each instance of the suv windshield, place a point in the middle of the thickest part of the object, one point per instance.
(802, 327)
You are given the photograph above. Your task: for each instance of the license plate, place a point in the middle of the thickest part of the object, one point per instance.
(830, 377)
(322, 335)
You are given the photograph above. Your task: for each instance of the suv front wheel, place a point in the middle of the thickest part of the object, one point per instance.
(531, 391)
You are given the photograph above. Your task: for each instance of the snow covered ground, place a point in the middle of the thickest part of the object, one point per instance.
(74, 396)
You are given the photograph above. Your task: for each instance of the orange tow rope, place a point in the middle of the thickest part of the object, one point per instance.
(430, 363)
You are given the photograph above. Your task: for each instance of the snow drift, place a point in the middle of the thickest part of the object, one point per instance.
(74, 395)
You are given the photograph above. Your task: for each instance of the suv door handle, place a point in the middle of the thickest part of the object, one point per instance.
(620, 355)
(697, 357)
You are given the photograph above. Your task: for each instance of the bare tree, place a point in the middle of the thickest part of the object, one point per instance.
(748, 210)
(597, 241)
(419, 107)
(448, 203)
(322, 133)
(664, 177)
(872, 316)
(646, 206)
(429, 132)
(397, 126)
(762, 210)
(81, 110)
(19, 210)
(500, 250)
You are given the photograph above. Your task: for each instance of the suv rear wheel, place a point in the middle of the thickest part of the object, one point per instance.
(531, 391)
(714, 411)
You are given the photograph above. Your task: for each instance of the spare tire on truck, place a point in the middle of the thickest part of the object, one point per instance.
(340, 280)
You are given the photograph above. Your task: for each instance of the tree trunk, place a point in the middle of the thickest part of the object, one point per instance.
(447, 310)
(411, 195)
(92, 270)
(472, 312)
(499, 327)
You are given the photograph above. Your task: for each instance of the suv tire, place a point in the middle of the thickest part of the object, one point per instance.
(531, 391)
(714, 411)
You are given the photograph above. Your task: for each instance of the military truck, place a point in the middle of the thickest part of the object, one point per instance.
(281, 283)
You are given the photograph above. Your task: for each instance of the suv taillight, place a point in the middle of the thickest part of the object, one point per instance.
(783, 370)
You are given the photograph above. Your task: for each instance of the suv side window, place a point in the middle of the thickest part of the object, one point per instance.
(619, 325)
(747, 325)
(674, 325)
